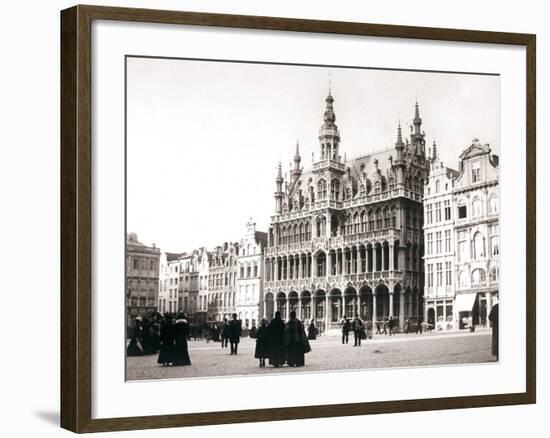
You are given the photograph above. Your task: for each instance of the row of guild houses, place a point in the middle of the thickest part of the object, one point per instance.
(211, 285)
(391, 234)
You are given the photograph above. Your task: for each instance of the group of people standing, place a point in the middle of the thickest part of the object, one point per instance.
(357, 327)
(173, 341)
(231, 333)
(282, 343)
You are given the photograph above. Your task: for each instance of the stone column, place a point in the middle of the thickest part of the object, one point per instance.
(328, 267)
(287, 308)
(358, 305)
(390, 313)
(299, 315)
(373, 316)
(327, 310)
(391, 256)
(328, 224)
(374, 262)
(300, 273)
(313, 265)
(402, 308)
(358, 261)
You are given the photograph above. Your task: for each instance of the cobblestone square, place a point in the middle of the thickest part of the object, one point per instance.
(328, 354)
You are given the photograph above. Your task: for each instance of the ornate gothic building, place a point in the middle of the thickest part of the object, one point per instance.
(347, 236)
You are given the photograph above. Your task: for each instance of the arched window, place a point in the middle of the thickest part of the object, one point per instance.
(370, 216)
(476, 207)
(391, 184)
(308, 231)
(386, 217)
(312, 195)
(349, 224)
(334, 189)
(478, 276)
(363, 221)
(377, 187)
(301, 232)
(378, 219)
(322, 189)
(356, 222)
(479, 246)
(393, 218)
(437, 186)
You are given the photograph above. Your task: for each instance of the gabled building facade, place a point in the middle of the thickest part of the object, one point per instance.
(249, 300)
(476, 232)
(439, 244)
(142, 277)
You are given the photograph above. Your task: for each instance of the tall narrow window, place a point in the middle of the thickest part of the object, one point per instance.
(440, 274)
(430, 275)
(448, 274)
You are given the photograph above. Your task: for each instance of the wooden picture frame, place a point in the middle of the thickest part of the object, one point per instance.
(76, 217)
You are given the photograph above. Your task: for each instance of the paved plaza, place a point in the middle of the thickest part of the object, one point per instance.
(328, 353)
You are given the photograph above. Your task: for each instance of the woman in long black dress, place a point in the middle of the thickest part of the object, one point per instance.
(312, 331)
(294, 341)
(276, 341)
(181, 333)
(133, 348)
(166, 341)
(261, 343)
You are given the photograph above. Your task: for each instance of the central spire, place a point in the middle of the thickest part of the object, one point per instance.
(329, 117)
(329, 137)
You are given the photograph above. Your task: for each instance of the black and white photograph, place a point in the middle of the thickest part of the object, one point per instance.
(285, 218)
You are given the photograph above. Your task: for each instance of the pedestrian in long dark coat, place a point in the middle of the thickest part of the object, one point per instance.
(294, 341)
(234, 330)
(167, 334)
(357, 331)
(346, 327)
(261, 351)
(276, 341)
(146, 336)
(224, 334)
(134, 347)
(493, 319)
(156, 336)
(181, 333)
(312, 331)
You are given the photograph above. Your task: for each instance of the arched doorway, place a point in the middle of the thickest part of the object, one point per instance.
(293, 302)
(382, 302)
(305, 303)
(350, 303)
(431, 316)
(281, 304)
(320, 309)
(365, 295)
(335, 309)
(269, 306)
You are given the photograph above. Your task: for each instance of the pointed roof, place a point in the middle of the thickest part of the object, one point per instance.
(329, 116)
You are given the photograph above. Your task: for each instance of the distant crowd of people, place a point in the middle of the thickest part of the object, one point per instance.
(279, 342)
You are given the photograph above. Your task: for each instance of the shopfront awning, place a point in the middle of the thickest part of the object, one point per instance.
(465, 302)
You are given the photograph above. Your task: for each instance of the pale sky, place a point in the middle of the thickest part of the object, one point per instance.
(205, 138)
